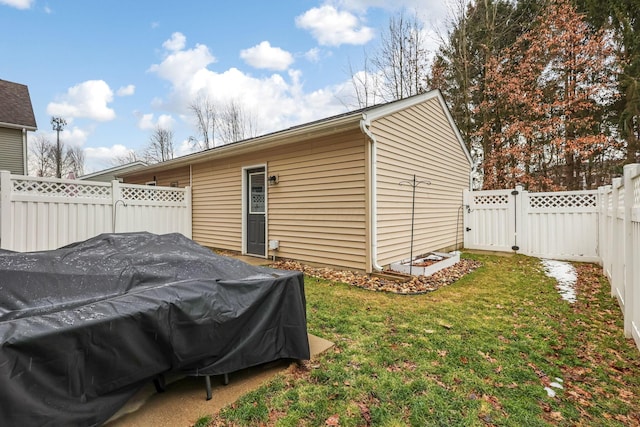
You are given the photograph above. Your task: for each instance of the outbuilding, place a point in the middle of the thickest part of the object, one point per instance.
(335, 191)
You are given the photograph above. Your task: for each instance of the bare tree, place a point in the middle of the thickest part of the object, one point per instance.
(234, 123)
(41, 161)
(130, 157)
(74, 160)
(366, 85)
(160, 148)
(204, 111)
(401, 58)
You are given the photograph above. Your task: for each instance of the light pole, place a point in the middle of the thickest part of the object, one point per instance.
(58, 124)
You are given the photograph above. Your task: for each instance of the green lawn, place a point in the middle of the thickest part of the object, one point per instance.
(478, 352)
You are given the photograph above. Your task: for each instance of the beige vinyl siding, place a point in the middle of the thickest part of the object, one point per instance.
(217, 203)
(163, 178)
(12, 158)
(418, 141)
(316, 211)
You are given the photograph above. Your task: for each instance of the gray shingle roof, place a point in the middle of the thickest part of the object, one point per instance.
(15, 105)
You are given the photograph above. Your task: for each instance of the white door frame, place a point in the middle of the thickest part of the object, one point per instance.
(245, 207)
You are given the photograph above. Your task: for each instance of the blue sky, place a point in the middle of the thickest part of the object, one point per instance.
(115, 69)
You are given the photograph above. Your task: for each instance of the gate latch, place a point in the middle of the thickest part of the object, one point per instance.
(515, 192)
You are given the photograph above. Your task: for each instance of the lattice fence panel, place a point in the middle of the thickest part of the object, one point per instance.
(563, 201)
(491, 200)
(60, 189)
(151, 194)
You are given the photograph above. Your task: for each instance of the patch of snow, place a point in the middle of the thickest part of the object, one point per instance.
(566, 276)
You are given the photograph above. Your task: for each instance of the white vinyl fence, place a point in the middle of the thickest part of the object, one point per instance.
(559, 225)
(46, 213)
(620, 249)
(601, 226)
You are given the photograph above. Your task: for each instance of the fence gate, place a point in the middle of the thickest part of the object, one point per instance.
(559, 225)
(490, 220)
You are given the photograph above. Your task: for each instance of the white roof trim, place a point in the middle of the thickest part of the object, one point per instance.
(113, 169)
(17, 126)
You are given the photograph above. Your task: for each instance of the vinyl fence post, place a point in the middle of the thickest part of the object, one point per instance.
(189, 213)
(615, 235)
(524, 227)
(630, 171)
(608, 230)
(466, 210)
(6, 236)
(601, 221)
(115, 197)
(517, 245)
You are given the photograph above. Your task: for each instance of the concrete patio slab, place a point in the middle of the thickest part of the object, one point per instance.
(184, 400)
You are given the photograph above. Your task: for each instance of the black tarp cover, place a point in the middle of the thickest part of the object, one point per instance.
(83, 327)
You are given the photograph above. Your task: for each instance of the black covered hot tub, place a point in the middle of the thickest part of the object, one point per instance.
(83, 327)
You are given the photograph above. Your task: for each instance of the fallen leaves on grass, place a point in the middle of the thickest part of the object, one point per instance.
(414, 285)
(333, 420)
(365, 412)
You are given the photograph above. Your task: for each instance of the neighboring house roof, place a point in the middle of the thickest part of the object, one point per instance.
(16, 110)
(321, 127)
(115, 171)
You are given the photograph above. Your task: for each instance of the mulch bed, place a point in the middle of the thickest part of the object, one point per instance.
(415, 285)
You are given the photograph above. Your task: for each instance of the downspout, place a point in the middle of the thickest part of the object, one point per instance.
(25, 166)
(364, 126)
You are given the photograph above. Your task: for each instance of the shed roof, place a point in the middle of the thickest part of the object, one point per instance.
(120, 169)
(16, 110)
(326, 126)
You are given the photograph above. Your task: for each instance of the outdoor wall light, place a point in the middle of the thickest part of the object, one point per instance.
(273, 179)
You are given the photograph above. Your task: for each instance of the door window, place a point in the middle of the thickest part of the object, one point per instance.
(256, 196)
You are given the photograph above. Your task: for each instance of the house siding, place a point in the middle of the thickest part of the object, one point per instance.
(420, 141)
(179, 176)
(317, 211)
(11, 147)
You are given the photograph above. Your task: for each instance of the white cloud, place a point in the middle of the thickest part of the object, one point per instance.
(88, 99)
(98, 158)
(176, 42)
(185, 147)
(18, 4)
(70, 136)
(126, 90)
(147, 122)
(312, 55)
(421, 6)
(266, 56)
(276, 101)
(165, 121)
(332, 27)
(181, 66)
